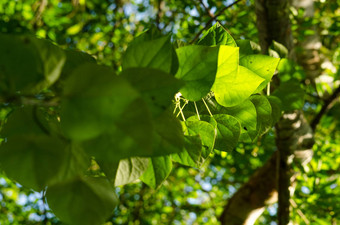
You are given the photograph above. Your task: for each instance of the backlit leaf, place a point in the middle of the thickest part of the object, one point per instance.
(232, 89)
(197, 67)
(151, 52)
(217, 35)
(264, 66)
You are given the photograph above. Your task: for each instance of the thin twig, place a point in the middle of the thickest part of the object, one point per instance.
(206, 9)
(293, 203)
(326, 106)
(212, 19)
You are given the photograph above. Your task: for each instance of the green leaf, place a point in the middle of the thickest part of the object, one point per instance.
(157, 172)
(291, 95)
(264, 66)
(130, 136)
(73, 60)
(144, 138)
(280, 49)
(248, 47)
(231, 90)
(124, 171)
(168, 135)
(35, 159)
(20, 122)
(191, 154)
(93, 100)
(197, 67)
(129, 170)
(32, 160)
(227, 70)
(156, 87)
(245, 113)
(206, 131)
(228, 132)
(75, 162)
(151, 52)
(199, 142)
(217, 35)
(288, 69)
(28, 64)
(276, 105)
(264, 113)
(82, 201)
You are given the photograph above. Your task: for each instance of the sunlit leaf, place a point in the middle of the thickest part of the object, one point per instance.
(264, 66)
(217, 35)
(151, 52)
(233, 90)
(197, 67)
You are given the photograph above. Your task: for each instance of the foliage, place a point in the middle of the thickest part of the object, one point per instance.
(97, 115)
(118, 124)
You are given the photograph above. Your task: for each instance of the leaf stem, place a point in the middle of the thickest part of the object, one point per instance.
(198, 115)
(268, 89)
(207, 107)
(181, 111)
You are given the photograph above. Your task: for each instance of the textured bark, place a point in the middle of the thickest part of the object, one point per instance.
(308, 49)
(273, 24)
(294, 136)
(249, 202)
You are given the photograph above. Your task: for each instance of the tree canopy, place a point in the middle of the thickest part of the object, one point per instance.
(169, 112)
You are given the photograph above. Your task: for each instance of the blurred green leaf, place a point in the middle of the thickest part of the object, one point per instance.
(291, 95)
(83, 200)
(29, 64)
(156, 87)
(93, 100)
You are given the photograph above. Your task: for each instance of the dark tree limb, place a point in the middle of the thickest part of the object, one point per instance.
(251, 199)
(326, 106)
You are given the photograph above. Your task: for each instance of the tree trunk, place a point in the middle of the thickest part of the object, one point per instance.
(294, 136)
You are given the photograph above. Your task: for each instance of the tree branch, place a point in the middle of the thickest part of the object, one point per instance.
(326, 106)
(206, 9)
(250, 200)
(212, 19)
